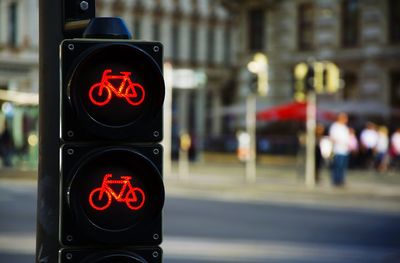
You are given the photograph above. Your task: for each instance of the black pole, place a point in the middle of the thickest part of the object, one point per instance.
(50, 36)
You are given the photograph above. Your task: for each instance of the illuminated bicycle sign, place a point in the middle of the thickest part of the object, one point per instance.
(113, 91)
(101, 93)
(112, 192)
(101, 197)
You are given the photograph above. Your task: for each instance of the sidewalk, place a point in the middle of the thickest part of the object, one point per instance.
(282, 184)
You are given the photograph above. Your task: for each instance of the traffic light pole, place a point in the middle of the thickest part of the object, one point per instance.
(53, 19)
(311, 138)
(251, 171)
(50, 36)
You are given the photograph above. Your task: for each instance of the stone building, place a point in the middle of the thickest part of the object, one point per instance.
(361, 37)
(19, 67)
(19, 36)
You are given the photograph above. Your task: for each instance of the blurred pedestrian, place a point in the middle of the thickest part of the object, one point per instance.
(340, 135)
(319, 160)
(353, 148)
(382, 150)
(6, 146)
(368, 140)
(395, 149)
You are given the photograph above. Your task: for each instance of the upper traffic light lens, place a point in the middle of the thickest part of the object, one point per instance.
(115, 85)
(101, 92)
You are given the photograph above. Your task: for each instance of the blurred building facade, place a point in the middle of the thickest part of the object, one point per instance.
(361, 37)
(19, 72)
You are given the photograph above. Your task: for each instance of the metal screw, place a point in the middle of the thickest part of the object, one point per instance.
(70, 133)
(84, 5)
(71, 47)
(70, 151)
(155, 254)
(156, 134)
(69, 238)
(68, 256)
(156, 236)
(156, 151)
(156, 48)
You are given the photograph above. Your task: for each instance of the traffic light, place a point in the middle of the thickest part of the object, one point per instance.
(259, 67)
(323, 77)
(111, 187)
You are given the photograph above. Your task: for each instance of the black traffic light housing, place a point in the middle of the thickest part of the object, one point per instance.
(102, 206)
(111, 186)
(139, 255)
(111, 89)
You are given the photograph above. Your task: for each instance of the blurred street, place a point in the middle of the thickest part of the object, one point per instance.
(214, 216)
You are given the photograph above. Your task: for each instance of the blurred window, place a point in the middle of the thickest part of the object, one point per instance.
(350, 23)
(175, 41)
(227, 45)
(158, 15)
(137, 30)
(306, 26)
(211, 43)
(350, 85)
(193, 42)
(156, 30)
(256, 29)
(395, 89)
(12, 24)
(394, 21)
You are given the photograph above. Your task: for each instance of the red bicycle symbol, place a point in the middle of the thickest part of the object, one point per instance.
(100, 198)
(101, 92)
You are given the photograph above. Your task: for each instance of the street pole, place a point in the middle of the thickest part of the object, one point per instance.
(167, 166)
(251, 130)
(311, 138)
(57, 20)
(183, 161)
(50, 36)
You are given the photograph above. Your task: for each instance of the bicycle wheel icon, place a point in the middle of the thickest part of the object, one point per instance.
(135, 198)
(135, 94)
(100, 199)
(99, 94)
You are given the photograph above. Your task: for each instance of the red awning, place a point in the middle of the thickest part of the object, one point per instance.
(296, 111)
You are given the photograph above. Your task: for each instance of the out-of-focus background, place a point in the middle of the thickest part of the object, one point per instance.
(248, 156)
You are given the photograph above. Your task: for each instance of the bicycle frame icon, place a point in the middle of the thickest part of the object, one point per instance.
(101, 92)
(100, 198)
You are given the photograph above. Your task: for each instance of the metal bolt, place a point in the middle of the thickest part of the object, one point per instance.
(84, 5)
(68, 256)
(155, 254)
(156, 151)
(156, 236)
(70, 133)
(71, 47)
(156, 48)
(69, 238)
(70, 151)
(156, 133)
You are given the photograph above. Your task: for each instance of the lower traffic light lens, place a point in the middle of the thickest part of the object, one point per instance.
(116, 189)
(119, 259)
